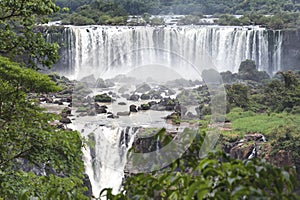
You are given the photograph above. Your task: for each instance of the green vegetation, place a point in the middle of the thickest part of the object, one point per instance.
(250, 122)
(40, 161)
(27, 137)
(254, 106)
(103, 98)
(283, 20)
(97, 12)
(280, 129)
(214, 177)
(18, 41)
(37, 160)
(263, 94)
(195, 7)
(115, 12)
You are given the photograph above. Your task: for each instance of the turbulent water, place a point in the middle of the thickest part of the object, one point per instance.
(104, 50)
(105, 159)
(179, 52)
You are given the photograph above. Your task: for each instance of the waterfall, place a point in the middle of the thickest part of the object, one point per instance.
(105, 156)
(253, 153)
(105, 51)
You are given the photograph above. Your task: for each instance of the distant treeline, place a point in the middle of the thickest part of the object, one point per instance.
(139, 7)
(285, 13)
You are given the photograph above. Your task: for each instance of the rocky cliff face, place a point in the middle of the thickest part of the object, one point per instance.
(291, 50)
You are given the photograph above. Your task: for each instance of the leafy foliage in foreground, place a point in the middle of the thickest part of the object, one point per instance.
(28, 141)
(215, 176)
(18, 40)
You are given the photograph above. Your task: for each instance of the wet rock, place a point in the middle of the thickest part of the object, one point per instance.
(123, 89)
(157, 107)
(134, 97)
(89, 80)
(100, 83)
(126, 96)
(67, 99)
(87, 183)
(125, 113)
(228, 77)
(145, 96)
(59, 102)
(246, 148)
(255, 137)
(61, 126)
(241, 151)
(66, 91)
(143, 88)
(151, 103)
(133, 108)
(100, 109)
(65, 120)
(166, 90)
(112, 116)
(155, 95)
(174, 115)
(91, 113)
(42, 99)
(82, 114)
(64, 115)
(144, 107)
(48, 99)
(67, 110)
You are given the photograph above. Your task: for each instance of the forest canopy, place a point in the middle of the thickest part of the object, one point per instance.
(209, 7)
(274, 14)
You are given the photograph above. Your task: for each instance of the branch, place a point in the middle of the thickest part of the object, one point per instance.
(14, 12)
(16, 156)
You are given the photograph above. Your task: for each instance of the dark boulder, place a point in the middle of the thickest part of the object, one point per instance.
(145, 96)
(248, 71)
(144, 107)
(125, 113)
(91, 113)
(100, 109)
(65, 120)
(67, 110)
(133, 108)
(134, 97)
(112, 116)
(143, 88)
(89, 80)
(59, 102)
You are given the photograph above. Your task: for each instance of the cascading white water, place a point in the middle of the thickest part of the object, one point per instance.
(103, 50)
(105, 159)
(108, 51)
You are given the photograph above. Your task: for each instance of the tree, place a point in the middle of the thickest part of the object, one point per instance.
(28, 141)
(283, 94)
(18, 40)
(238, 95)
